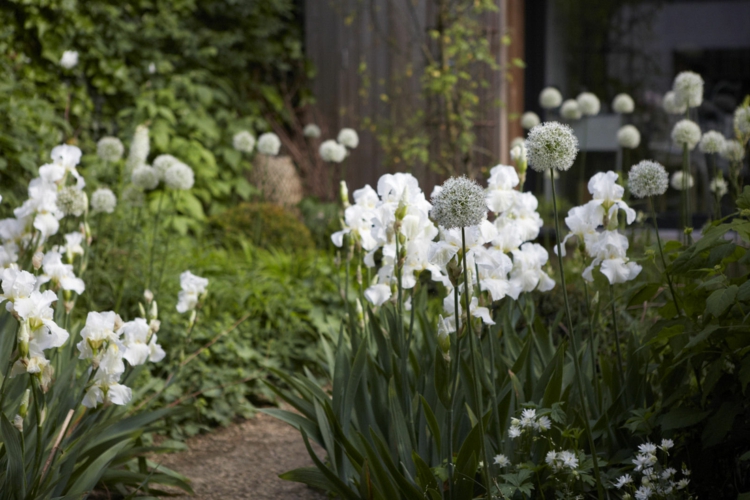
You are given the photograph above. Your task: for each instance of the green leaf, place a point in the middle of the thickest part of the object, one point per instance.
(719, 425)
(743, 201)
(15, 474)
(645, 293)
(680, 418)
(720, 300)
(743, 293)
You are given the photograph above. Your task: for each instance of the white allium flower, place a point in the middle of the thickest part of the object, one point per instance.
(501, 460)
(332, 151)
(570, 110)
(192, 288)
(551, 145)
(110, 149)
(145, 177)
(671, 105)
(550, 98)
(151, 68)
(72, 201)
(348, 137)
(623, 480)
(623, 104)
(103, 200)
(711, 142)
(719, 186)
(311, 130)
(162, 163)
(243, 141)
(529, 120)
(733, 151)
(269, 144)
(742, 120)
(648, 178)
(179, 176)
(139, 148)
(686, 133)
(69, 59)
(460, 203)
(588, 103)
(688, 89)
(628, 137)
(678, 180)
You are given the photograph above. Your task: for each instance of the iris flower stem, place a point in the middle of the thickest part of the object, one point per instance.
(574, 343)
(591, 340)
(661, 253)
(620, 365)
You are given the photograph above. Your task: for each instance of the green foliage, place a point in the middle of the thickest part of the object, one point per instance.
(265, 225)
(322, 219)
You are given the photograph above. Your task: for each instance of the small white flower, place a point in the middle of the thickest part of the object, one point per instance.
(668, 473)
(162, 163)
(571, 110)
(514, 432)
(544, 423)
(151, 68)
(671, 105)
(551, 145)
(527, 418)
(311, 130)
(569, 460)
(348, 137)
(688, 89)
(719, 186)
(192, 288)
(733, 151)
(550, 458)
(103, 200)
(680, 182)
(110, 148)
(145, 177)
(529, 120)
(682, 483)
(179, 177)
(628, 137)
(243, 141)
(686, 133)
(623, 104)
(588, 103)
(69, 59)
(643, 493)
(501, 460)
(332, 151)
(550, 98)
(623, 480)
(269, 144)
(712, 142)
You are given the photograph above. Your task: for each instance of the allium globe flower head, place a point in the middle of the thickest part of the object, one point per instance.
(570, 110)
(529, 120)
(103, 200)
(679, 182)
(332, 151)
(179, 176)
(688, 89)
(243, 141)
(72, 201)
(69, 59)
(348, 137)
(551, 145)
(110, 149)
(742, 120)
(711, 142)
(460, 203)
(588, 103)
(623, 104)
(139, 148)
(269, 144)
(145, 177)
(628, 137)
(311, 130)
(671, 105)
(686, 133)
(648, 178)
(719, 186)
(162, 163)
(733, 151)
(550, 98)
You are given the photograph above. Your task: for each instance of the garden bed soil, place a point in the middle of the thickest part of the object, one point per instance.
(244, 460)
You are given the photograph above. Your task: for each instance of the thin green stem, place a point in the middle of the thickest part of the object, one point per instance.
(661, 253)
(620, 365)
(173, 199)
(592, 349)
(153, 239)
(454, 380)
(576, 361)
(129, 253)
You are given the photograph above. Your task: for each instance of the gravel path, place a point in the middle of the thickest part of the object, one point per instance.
(243, 461)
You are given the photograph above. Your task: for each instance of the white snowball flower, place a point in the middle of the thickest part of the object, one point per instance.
(69, 59)
(742, 120)
(733, 151)
(719, 186)
(348, 137)
(243, 141)
(332, 151)
(628, 137)
(686, 133)
(623, 104)
(179, 176)
(671, 105)
(139, 148)
(711, 142)
(145, 177)
(588, 103)
(110, 148)
(529, 120)
(648, 178)
(269, 144)
(162, 163)
(460, 203)
(551, 145)
(688, 89)
(103, 200)
(193, 287)
(72, 201)
(311, 130)
(679, 182)
(550, 98)
(570, 110)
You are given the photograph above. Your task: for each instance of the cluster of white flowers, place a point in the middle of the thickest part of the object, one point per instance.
(269, 144)
(528, 422)
(166, 168)
(742, 120)
(711, 142)
(570, 110)
(719, 186)
(529, 120)
(335, 151)
(671, 105)
(348, 137)
(623, 104)
(561, 460)
(551, 145)
(332, 151)
(103, 201)
(69, 59)
(688, 89)
(648, 178)
(686, 133)
(628, 137)
(588, 103)
(656, 481)
(680, 182)
(733, 151)
(243, 141)
(607, 248)
(193, 290)
(139, 148)
(550, 98)
(311, 130)
(110, 148)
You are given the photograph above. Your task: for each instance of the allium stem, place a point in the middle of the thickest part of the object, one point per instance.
(661, 253)
(477, 381)
(620, 365)
(576, 361)
(591, 340)
(686, 218)
(454, 381)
